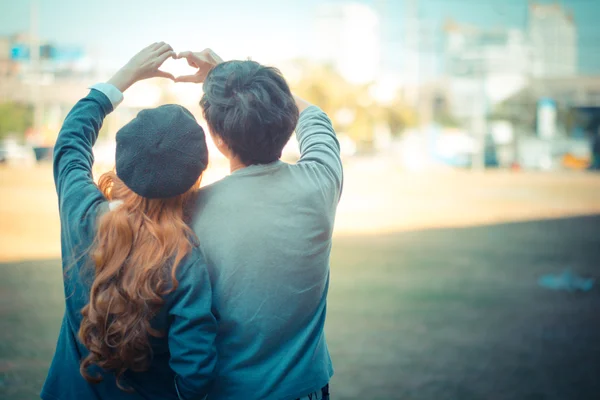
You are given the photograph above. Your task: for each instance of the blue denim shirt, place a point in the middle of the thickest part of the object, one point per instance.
(184, 359)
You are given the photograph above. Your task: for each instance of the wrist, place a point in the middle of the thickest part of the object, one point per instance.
(122, 80)
(301, 103)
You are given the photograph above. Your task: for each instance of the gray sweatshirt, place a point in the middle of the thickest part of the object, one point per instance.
(265, 232)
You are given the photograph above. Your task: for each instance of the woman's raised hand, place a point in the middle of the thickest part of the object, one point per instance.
(144, 65)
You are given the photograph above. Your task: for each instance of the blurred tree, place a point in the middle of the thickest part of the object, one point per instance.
(399, 116)
(351, 107)
(15, 119)
(447, 120)
(442, 114)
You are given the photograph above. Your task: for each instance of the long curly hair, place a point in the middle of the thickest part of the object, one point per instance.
(136, 252)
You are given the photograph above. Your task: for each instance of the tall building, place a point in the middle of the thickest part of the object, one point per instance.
(7, 66)
(484, 65)
(55, 60)
(348, 37)
(553, 38)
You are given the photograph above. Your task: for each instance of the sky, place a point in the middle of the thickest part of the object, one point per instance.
(113, 30)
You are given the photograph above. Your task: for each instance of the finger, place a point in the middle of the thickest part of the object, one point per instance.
(196, 58)
(164, 74)
(161, 58)
(150, 46)
(210, 56)
(163, 48)
(192, 63)
(157, 45)
(187, 78)
(190, 58)
(184, 54)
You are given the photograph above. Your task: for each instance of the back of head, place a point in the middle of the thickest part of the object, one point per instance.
(251, 108)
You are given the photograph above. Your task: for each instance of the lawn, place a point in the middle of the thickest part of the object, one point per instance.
(428, 314)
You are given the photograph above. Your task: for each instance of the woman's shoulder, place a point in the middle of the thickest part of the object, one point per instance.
(192, 271)
(195, 258)
(194, 283)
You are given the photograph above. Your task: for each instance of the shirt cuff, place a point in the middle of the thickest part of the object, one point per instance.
(114, 95)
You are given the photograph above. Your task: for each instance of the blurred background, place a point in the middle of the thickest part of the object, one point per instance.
(467, 241)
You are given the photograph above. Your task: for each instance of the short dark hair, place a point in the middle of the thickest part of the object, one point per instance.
(251, 108)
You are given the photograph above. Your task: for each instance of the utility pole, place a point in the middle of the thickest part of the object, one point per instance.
(34, 59)
(480, 115)
(421, 97)
(411, 68)
(419, 46)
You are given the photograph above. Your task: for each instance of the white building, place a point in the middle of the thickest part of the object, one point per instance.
(553, 38)
(483, 66)
(348, 37)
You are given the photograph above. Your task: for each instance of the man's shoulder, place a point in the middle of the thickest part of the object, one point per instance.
(208, 200)
(211, 191)
(291, 178)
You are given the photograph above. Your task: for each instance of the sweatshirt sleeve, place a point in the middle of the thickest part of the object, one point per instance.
(192, 331)
(73, 158)
(319, 145)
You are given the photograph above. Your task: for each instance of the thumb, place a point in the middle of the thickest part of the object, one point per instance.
(187, 78)
(183, 54)
(163, 74)
(192, 58)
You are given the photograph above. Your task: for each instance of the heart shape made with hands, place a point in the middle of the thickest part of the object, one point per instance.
(178, 67)
(191, 67)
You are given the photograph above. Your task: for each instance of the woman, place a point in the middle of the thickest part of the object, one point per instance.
(138, 321)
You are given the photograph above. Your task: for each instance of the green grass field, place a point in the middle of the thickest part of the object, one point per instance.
(424, 315)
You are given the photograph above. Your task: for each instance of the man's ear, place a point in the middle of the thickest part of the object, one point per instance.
(220, 143)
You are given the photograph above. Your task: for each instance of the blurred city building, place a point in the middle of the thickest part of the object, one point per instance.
(348, 38)
(404, 87)
(51, 80)
(519, 91)
(54, 61)
(46, 76)
(553, 37)
(8, 67)
(484, 66)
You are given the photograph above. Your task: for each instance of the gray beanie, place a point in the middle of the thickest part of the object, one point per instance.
(162, 152)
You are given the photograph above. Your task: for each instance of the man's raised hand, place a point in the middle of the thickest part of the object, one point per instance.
(204, 61)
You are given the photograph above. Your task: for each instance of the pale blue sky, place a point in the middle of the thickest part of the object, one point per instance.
(115, 29)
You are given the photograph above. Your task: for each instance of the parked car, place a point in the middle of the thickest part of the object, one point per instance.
(13, 153)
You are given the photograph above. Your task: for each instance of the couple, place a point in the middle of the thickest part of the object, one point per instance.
(178, 293)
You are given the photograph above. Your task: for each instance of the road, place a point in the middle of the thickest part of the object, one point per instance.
(433, 292)
(377, 198)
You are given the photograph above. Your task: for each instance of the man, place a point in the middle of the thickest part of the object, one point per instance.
(266, 231)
